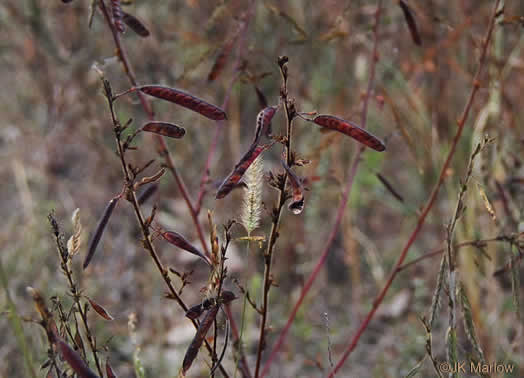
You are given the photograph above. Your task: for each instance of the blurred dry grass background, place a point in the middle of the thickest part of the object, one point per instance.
(57, 146)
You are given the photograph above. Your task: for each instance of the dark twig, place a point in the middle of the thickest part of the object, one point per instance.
(144, 227)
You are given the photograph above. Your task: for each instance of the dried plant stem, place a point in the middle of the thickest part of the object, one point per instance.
(158, 139)
(277, 211)
(147, 241)
(473, 243)
(341, 208)
(220, 124)
(453, 279)
(65, 264)
(461, 123)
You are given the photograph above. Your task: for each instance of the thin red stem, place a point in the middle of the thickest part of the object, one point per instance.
(443, 173)
(341, 208)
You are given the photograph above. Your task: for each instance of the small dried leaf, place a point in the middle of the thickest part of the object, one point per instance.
(135, 24)
(178, 240)
(100, 310)
(186, 100)
(165, 128)
(74, 360)
(100, 230)
(350, 129)
(234, 177)
(410, 20)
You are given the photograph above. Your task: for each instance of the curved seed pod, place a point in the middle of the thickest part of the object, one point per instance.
(297, 205)
(264, 118)
(350, 129)
(176, 239)
(410, 20)
(195, 345)
(100, 310)
(74, 360)
(100, 230)
(186, 100)
(117, 15)
(165, 128)
(234, 177)
(135, 24)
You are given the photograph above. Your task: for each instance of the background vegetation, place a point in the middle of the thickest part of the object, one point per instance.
(58, 148)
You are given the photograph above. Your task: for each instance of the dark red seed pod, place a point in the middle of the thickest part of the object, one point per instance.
(74, 360)
(234, 177)
(100, 230)
(186, 100)
(264, 118)
(297, 203)
(195, 345)
(135, 24)
(350, 129)
(116, 9)
(165, 128)
(410, 20)
(176, 239)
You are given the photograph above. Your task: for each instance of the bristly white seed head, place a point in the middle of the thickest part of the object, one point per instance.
(252, 204)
